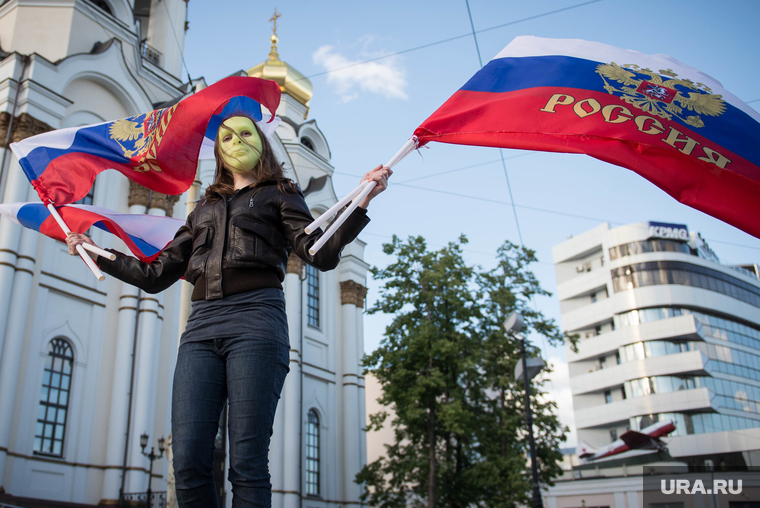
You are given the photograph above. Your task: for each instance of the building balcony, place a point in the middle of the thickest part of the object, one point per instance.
(678, 328)
(699, 399)
(589, 315)
(692, 363)
(584, 284)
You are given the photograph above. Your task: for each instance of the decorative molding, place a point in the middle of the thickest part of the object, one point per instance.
(352, 293)
(5, 119)
(138, 195)
(295, 264)
(164, 201)
(24, 126)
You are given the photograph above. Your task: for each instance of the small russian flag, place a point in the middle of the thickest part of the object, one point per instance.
(145, 235)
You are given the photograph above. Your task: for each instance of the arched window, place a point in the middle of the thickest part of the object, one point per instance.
(103, 6)
(308, 143)
(312, 454)
(54, 399)
(312, 296)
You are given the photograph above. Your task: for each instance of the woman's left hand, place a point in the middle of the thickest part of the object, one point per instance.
(379, 175)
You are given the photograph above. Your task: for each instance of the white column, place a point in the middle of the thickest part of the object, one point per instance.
(291, 399)
(186, 291)
(146, 375)
(10, 233)
(351, 294)
(14, 334)
(361, 412)
(122, 371)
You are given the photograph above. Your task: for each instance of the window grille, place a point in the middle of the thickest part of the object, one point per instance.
(312, 454)
(54, 399)
(312, 296)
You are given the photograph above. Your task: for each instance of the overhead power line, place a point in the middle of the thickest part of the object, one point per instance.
(526, 207)
(443, 41)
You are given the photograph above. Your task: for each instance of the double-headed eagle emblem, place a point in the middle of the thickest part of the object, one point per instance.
(666, 97)
(139, 136)
(137, 131)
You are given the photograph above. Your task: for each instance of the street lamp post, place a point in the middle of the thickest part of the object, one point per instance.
(514, 324)
(151, 456)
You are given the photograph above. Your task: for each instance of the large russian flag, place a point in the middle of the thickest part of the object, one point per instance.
(145, 235)
(158, 150)
(668, 122)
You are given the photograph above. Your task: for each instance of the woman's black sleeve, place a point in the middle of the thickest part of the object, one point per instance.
(296, 216)
(162, 272)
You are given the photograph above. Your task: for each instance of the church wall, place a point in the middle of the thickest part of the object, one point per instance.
(79, 319)
(45, 29)
(89, 88)
(93, 98)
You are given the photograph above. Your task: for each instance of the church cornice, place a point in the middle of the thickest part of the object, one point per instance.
(24, 126)
(352, 293)
(295, 264)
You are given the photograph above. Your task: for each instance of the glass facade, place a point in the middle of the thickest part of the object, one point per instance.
(713, 326)
(723, 359)
(655, 273)
(652, 349)
(655, 245)
(660, 384)
(694, 423)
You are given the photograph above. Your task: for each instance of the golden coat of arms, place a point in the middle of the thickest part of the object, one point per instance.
(662, 94)
(140, 136)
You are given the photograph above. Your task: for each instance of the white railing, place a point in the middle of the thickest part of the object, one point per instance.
(150, 53)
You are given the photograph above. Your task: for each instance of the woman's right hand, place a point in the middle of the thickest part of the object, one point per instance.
(74, 239)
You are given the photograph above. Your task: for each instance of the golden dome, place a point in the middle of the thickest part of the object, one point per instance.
(290, 80)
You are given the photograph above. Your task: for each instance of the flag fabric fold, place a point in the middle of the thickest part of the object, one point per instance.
(668, 122)
(144, 235)
(159, 149)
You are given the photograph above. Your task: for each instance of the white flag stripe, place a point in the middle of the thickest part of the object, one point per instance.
(60, 138)
(529, 46)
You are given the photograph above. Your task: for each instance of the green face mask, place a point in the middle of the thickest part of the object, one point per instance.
(240, 144)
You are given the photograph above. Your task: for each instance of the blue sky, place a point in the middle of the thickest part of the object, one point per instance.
(368, 111)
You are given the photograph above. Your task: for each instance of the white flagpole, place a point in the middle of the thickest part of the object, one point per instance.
(405, 150)
(334, 209)
(85, 257)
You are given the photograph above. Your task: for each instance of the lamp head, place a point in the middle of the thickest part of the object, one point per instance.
(161, 442)
(514, 322)
(143, 441)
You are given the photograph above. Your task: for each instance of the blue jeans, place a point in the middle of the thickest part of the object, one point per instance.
(249, 372)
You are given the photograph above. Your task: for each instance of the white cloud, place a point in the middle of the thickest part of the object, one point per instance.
(386, 77)
(557, 387)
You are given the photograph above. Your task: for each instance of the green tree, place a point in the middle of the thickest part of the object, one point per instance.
(510, 287)
(445, 365)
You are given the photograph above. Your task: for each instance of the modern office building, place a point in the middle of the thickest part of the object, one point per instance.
(665, 332)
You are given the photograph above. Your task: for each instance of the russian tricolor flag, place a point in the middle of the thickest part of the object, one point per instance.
(145, 235)
(668, 122)
(159, 149)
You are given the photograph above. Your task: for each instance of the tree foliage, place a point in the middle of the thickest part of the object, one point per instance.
(446, 366)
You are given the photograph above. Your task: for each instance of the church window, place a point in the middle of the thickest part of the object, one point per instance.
(103, 6)
(312, 296)
(87, 200)
(312, 454)
(54, 399)
(308, 144)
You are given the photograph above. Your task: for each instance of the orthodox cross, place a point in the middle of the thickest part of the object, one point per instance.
(273, 19)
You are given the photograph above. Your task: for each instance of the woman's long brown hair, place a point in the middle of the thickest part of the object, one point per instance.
(267, 170)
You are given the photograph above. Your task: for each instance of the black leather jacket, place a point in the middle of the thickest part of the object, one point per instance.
(236, 245)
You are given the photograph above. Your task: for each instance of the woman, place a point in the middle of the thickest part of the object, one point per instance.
(234, 248)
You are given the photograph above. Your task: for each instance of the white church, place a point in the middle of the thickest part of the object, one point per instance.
(86, 366)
